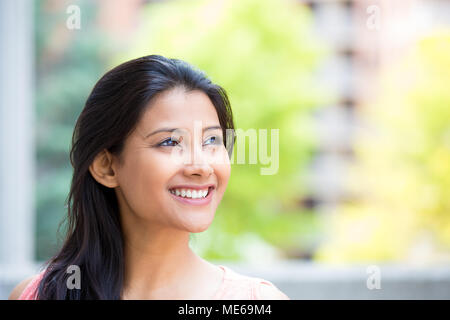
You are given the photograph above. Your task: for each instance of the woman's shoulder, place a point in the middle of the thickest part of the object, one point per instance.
(240, 286)
(266, 290)
(18, 289)
(27, 288)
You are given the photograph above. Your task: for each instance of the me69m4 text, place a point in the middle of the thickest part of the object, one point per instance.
(235, 309)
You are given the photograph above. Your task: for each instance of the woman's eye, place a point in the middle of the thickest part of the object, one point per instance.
(213, 140)
(169, 143)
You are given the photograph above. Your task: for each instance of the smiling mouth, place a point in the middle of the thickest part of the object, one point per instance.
(192, 194)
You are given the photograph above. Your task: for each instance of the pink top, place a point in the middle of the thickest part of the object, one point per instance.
(239, 287)
(29, 293)
(234, 287)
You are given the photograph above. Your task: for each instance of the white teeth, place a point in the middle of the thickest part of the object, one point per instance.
(187, 193)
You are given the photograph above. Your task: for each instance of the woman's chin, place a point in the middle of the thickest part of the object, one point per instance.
(199, 229)
(198, 226)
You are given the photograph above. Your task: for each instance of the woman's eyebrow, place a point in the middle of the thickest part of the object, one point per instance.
(212, 128)
(161, 130)
(173, 129)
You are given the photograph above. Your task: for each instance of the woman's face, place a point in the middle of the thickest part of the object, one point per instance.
(159, 166)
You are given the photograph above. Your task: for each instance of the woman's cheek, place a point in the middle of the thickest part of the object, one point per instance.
(223, 174)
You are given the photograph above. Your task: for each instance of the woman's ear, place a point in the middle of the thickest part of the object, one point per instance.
(102, 169)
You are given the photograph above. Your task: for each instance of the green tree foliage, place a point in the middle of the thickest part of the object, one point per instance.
(403, 172)
(264, 54)
(68, 63)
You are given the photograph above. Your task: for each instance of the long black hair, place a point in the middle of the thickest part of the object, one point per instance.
(94, 239)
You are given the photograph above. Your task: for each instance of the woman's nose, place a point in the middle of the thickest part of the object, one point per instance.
(198, 163)
(203, 170)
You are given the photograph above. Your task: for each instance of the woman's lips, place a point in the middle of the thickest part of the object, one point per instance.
(198, 201)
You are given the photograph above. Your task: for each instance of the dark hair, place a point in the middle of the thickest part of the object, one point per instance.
(93, 239)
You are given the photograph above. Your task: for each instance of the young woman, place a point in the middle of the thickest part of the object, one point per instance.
(150, 153)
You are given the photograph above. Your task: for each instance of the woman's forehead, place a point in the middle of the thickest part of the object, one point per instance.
(180, 109)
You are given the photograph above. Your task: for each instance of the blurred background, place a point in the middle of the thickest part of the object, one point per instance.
(360, 205)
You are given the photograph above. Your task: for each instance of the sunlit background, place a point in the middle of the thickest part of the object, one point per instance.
(359, 90)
